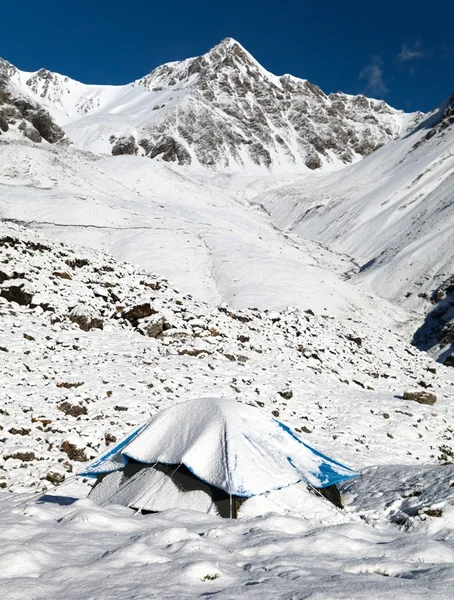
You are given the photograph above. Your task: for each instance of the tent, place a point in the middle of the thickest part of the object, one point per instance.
(209, 454)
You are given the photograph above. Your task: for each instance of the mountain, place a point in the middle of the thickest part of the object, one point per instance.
(221, 111)
(394, 213)
(21, 116)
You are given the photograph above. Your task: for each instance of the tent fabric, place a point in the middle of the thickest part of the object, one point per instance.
(153, 489)
(232, 446)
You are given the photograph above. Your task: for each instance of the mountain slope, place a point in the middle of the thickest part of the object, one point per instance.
(90, 346)
(393, 212)
(204, 239)
(220, 111)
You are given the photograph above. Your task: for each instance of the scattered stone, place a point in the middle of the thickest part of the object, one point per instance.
(21, 431)
(420, 397)
(141, 311)
(55, 477)
(73, 452)
(84, 319)
(156, 328)
(16, 293)
(109, 439)
(432, 512)
(74, 410)
(193, 352)
(23, 456)
(77, 263)
(286, 394)
(357, 340)
(62, 274)
(68, 384)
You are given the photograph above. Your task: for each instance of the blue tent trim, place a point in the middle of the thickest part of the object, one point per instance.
(332, 478)
(95, 470)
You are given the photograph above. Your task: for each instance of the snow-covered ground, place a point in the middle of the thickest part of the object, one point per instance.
(204, 239)
(61, 545)
(337, 381)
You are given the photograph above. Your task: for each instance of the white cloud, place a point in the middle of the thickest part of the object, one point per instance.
(373, 74)
(408, 52)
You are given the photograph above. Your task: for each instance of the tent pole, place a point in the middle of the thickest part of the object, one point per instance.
(231, 507)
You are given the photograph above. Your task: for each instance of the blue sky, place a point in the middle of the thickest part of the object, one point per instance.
(402, 51)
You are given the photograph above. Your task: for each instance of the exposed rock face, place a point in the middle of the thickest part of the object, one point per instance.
(233, 107)
(124, 145)
(169, 149)
(222, 111)
(21, 111)
(16, 293)
(445, 119)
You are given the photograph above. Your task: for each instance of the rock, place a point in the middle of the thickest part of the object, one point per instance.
(16, 293)
(26, 456)
(3, 124)
(169, 149)
(193, 352)
(449, 361)
(357, 340)
(421, 397)
(73, 452)
(61, 275)
(125, 145)
(84, 319)
(286, 394)
(30, 132)
(77, 263)
(243, 339)
(74, 410)
(55, 476)
(21, 431)
(69, 384)
(432, 512)
(141, 311)
(155, 328)
(109, 438)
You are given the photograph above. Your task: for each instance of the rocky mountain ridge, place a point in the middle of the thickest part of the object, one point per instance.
(21, 116)
(221, 111)
(394, 213)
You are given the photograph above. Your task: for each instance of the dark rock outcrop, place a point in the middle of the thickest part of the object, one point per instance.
(421, 397)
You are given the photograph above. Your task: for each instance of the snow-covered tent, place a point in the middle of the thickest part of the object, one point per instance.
(209, 454)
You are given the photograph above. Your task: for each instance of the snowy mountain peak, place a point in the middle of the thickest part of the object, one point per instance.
(220, 111)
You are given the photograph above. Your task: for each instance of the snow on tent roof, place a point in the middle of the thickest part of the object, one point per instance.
(231, 446)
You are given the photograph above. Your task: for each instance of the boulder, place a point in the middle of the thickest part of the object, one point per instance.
(141, 311)
(84, 319)
(422, 397)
